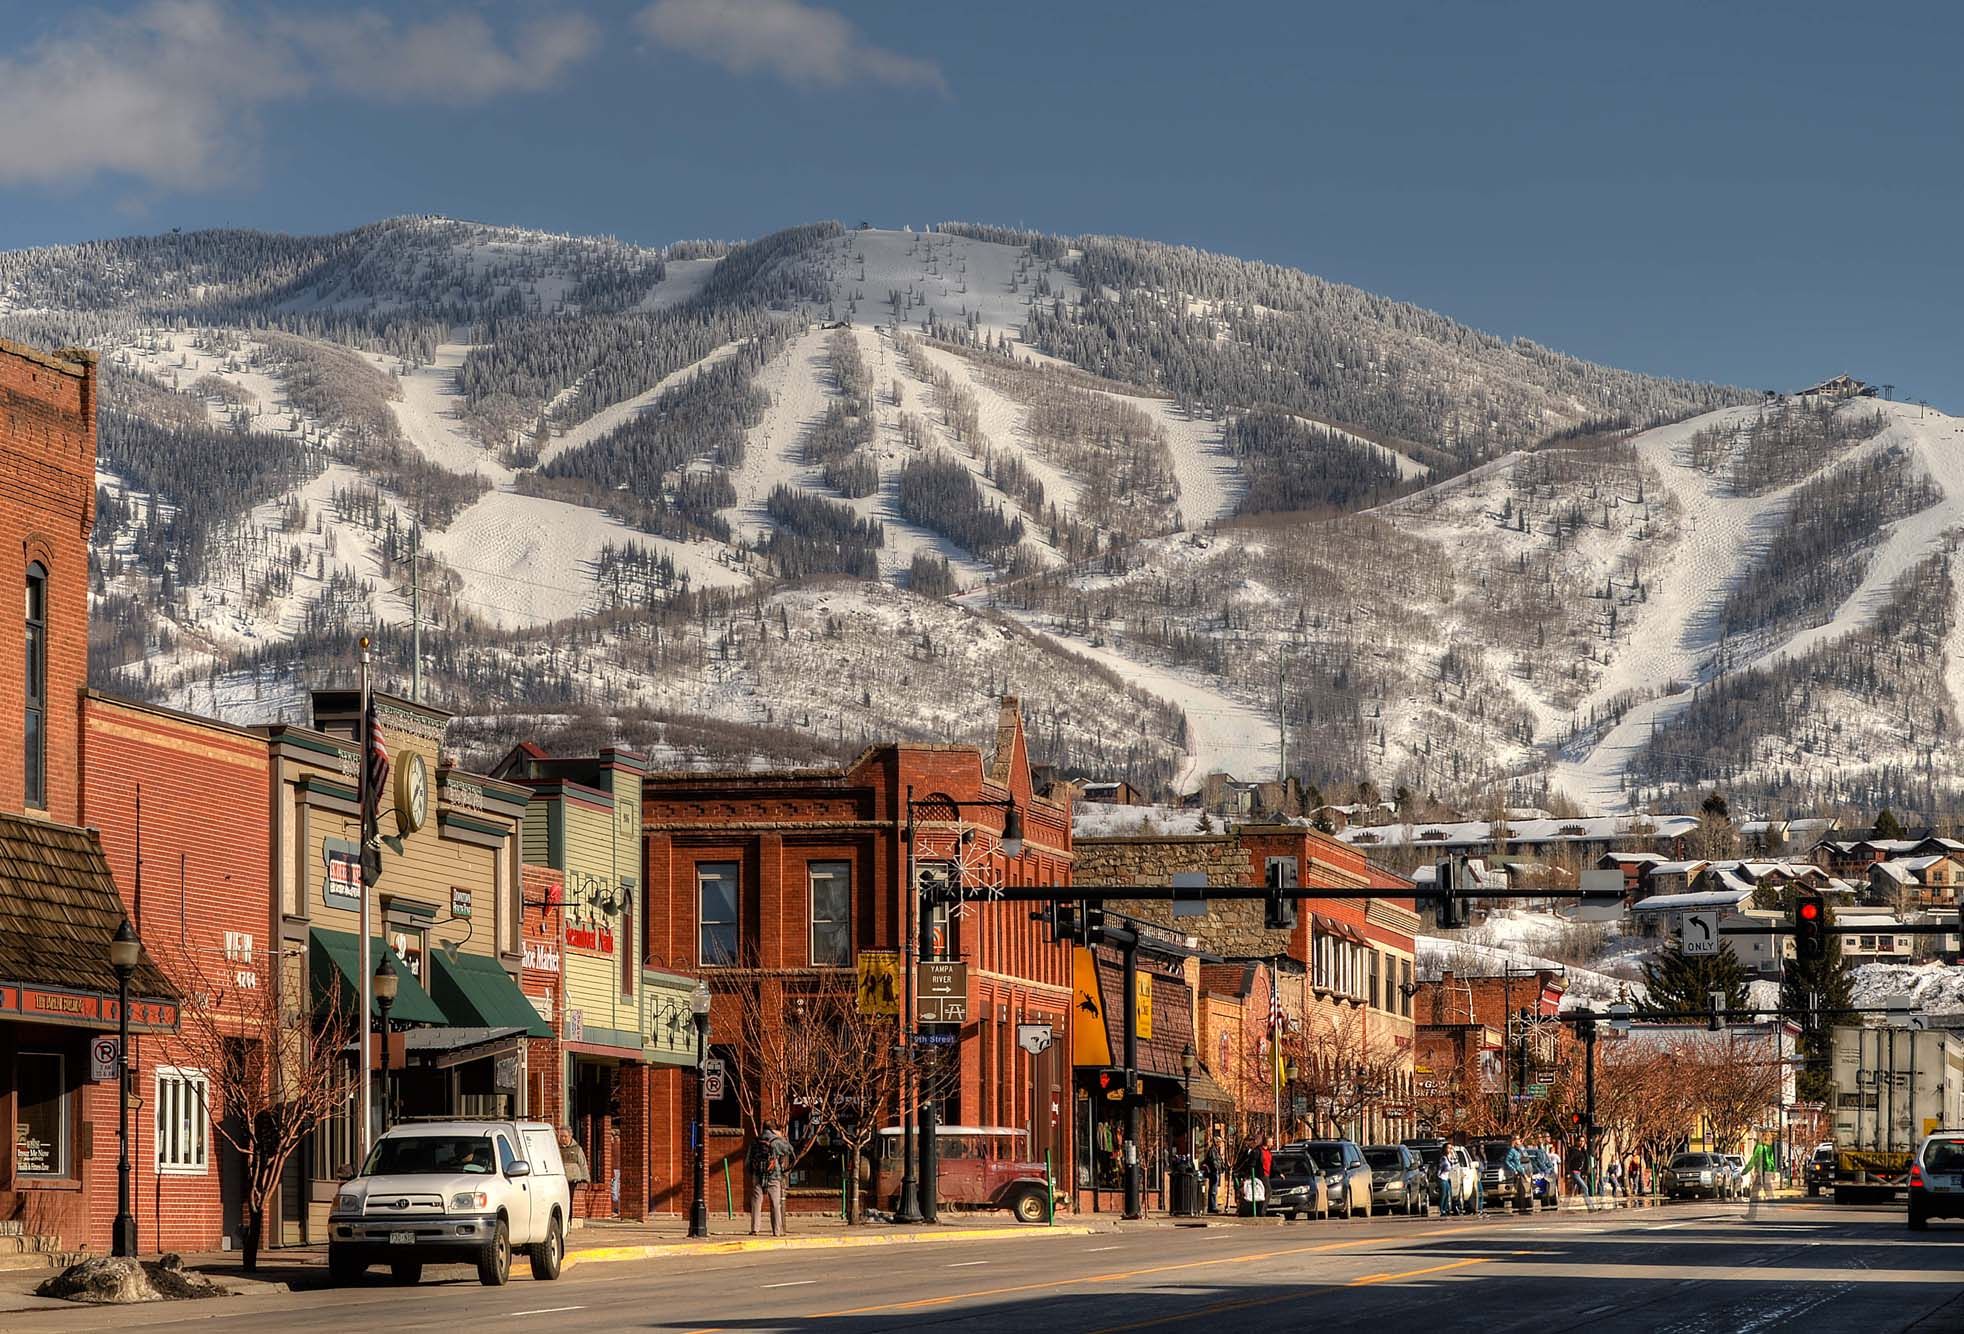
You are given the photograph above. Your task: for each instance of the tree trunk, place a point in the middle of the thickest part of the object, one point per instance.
(255, 1219)
(855, 1210)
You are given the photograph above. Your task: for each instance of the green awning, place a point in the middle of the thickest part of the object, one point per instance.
(335, 961)
(475, 990)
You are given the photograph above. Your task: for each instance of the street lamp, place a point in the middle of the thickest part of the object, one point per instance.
(385, 984)
(699, 1207)
(124, 951)
(1186, 1068)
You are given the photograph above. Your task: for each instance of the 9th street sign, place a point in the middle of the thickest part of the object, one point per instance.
(941, 992)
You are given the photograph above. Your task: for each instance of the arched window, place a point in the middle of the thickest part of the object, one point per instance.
(36, 766)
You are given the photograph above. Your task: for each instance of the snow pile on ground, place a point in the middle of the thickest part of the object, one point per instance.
(1931, 988)
(1096, 819)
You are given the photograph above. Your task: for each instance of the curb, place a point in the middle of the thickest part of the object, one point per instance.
(736, 1246)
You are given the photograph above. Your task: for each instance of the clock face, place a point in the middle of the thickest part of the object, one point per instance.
(413, 794)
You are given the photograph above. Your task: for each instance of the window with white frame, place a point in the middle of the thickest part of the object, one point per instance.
(183, 1105)
(831, 898)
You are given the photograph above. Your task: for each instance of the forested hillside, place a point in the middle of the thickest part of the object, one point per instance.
(772, 497)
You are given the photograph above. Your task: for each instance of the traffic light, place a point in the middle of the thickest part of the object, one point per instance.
(1445, 874)
(1278, 911)
(1047, 915)
(1067, 923)
(1585, 1026)
(1810, 927)
(1092, 918)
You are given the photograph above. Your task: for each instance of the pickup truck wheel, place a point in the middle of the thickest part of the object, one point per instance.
(343, 1267)
(406, 1271)
(1027, 1207)
(494, 1261)
(1813, 1191)
(549, 1255)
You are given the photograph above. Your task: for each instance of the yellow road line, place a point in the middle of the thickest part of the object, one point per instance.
(739, 1245)
(1414, 1273)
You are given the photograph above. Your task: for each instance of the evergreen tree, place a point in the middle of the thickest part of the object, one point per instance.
(1887, 825)
(1676, 981)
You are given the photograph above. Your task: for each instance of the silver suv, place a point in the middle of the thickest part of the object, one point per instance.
(449, 1192)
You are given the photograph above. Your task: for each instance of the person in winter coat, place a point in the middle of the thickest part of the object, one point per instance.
(1213, 1164)
(1518, 1171)
(769, 1164)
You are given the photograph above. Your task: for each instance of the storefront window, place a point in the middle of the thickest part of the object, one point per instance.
(831, 891)
(183, 1121)
(716, 888)
(41, 1127)
(726, 1112)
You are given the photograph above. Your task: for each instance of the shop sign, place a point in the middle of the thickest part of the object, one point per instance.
(541, 957)
(1142, 1009)
(342, 887)
(460, 902)
(594, 937)
(50, 1005)
(504, 1074)
(576, 1025)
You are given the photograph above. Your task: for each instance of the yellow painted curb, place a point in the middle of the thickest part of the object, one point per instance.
(737, 1245)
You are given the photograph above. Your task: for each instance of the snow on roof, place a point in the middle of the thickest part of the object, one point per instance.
(1679, 868)
(1900, 872)
(1712, 898)
(1812, 827)
(1730, 881)
(1437, 953)
(1637, 858)
(1751, 827)
(1583, 828)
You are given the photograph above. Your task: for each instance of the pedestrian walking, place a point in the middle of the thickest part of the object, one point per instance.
(1446, 1209)
(1213, 1163)
(769, 1163)
(1517, 1170)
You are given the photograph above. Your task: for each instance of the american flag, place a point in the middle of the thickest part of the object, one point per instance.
(378, 767)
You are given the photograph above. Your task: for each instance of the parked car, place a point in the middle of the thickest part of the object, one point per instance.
(1689, 1175)
(976, 1167)
(1936, 1179)
(449, 1192)
(1737, 1179)
(1297, 1187)
(1495, 1182)
(1820, 1170)
(1345, 1171)
(1399, 1181)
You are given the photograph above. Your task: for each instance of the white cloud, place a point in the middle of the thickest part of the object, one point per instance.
(802, 44)
(158, 94)
(456, 57)
(169, 93)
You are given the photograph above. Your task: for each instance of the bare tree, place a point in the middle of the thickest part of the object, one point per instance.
(273, 1072)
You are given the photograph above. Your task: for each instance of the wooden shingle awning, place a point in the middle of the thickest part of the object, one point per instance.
(59, 909)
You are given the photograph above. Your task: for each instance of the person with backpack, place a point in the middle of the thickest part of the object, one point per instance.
(768, 1164)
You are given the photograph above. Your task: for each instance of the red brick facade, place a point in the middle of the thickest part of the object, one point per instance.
(47, 506)
(774, 826)
(205, 912)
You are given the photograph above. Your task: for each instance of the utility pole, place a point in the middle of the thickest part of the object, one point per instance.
(1134, 1204)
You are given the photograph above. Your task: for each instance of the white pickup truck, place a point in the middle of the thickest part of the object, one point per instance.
(449, 1192)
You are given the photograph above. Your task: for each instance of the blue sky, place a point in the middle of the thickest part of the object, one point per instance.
(1755, 193)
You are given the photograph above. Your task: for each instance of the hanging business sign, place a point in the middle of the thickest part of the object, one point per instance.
(1142, 990)
(879, 983)
(342, 887)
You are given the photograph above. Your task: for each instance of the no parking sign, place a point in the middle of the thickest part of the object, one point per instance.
(105, 1054)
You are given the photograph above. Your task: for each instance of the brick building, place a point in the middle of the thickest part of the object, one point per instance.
(181, 806)
(1468, 1046)
(622, 1022)
(59, 905)
(1350, 1040)
(802, 874)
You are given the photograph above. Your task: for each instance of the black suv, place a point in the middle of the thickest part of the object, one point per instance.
(1820, 1171)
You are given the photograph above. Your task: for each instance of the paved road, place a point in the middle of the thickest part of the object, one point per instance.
(1687, 1270)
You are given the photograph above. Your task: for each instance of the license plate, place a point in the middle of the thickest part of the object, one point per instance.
(402, 1239)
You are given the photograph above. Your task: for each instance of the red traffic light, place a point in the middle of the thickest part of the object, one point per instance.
(1809, 910)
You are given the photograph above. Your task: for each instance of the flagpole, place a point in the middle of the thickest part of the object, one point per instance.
(366, 968)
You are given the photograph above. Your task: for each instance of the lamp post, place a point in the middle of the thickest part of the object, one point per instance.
(1186, 1069)
(699, 1207)
(123, 954)
(385, 985)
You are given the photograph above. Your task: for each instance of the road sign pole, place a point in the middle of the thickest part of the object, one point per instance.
(1134, 1205)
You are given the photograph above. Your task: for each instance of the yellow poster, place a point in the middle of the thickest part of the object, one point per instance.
(1142, 989)
(879, 983)
(1090, 1043)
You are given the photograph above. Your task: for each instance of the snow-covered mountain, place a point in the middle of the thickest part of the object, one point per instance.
(768, 499)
